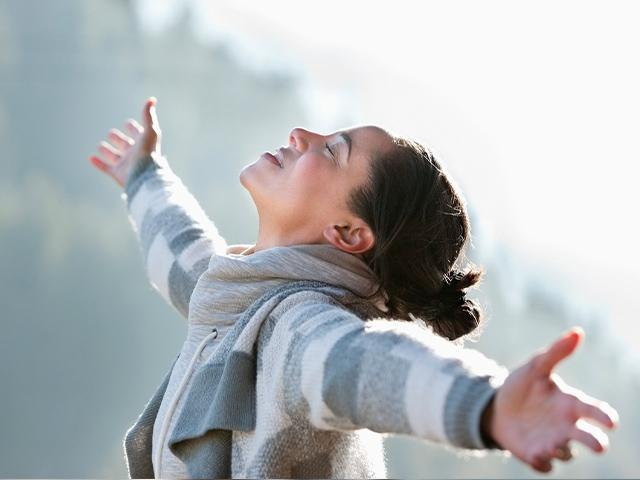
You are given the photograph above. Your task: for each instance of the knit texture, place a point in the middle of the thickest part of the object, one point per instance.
(308, 376)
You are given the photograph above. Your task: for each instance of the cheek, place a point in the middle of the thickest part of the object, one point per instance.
(318, 194)
(310, 179)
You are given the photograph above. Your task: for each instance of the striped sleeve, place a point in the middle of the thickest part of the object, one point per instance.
(389, 376)
(176, 237)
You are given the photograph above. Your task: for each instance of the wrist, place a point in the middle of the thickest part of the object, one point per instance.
(486, 425)
(140, 169)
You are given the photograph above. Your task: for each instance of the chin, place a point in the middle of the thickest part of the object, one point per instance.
(241, 178)
(247, 183)
(245, 177)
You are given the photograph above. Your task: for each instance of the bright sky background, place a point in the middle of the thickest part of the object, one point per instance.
(534, 106)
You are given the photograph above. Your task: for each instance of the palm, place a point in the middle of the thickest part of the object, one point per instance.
(539, 413)
(125, 150)
(535, 414)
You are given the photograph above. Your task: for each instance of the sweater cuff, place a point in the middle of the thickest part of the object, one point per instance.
(465, 403)
(144, 168)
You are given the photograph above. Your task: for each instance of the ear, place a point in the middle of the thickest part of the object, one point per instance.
(357, 238)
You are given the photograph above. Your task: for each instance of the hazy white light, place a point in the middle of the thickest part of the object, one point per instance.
(536, 114)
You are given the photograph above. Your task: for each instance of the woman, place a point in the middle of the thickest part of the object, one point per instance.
(337, 323)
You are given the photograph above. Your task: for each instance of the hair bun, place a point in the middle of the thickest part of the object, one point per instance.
(452, 294)
(457, 315)
(450, 297)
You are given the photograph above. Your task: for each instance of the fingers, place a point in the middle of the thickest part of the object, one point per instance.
(590, 436)
(601, 412)
(545, 361)
(541, 464)
(134, 128)
(121, 141)
(542, 461)
(562, 452)
(98, 163)
(111, 153)
(583, 432)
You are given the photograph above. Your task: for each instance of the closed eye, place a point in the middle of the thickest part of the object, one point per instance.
(332, 155)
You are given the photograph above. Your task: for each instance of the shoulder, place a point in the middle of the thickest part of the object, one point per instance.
(312, 306)
(307, 312)
(296, 303)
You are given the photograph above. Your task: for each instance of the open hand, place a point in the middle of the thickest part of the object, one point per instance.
(126, 149)
(535, 414)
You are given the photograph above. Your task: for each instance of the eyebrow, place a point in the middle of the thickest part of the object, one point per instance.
(347, 139)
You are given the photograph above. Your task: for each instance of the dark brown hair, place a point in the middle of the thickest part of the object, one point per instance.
(421, 226)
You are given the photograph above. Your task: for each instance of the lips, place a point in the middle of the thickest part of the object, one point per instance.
(280, 156)
(273, 158)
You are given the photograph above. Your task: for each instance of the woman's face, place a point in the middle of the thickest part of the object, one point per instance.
(305, 199)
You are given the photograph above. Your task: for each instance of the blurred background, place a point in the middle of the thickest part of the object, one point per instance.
(533, 108)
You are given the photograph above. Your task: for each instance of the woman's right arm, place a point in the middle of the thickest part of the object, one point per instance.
(176, 237)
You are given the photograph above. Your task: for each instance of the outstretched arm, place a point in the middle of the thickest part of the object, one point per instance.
(393, 376)
(176, 237)
(390, 376)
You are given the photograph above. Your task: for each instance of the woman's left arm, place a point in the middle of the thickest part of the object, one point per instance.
(394, 376)
(390, 376)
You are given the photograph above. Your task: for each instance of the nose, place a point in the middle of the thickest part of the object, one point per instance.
(299, 138)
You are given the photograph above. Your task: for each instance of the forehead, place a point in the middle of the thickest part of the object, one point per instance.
(368, 137)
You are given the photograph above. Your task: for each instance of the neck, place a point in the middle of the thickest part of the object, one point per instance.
(269, 238)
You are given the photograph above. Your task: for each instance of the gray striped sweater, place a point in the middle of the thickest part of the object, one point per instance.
(286, 371)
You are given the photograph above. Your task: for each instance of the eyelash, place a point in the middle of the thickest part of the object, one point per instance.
(332, 155)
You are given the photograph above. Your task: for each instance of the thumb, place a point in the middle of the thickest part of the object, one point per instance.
(560, 349)
(149, 115)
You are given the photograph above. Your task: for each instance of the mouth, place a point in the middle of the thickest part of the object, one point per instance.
(273, 158)
(280, 156)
